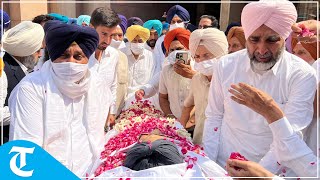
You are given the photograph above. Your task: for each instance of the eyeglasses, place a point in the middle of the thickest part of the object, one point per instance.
(204, 27)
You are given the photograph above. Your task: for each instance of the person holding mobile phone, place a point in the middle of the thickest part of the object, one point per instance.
(173, 87)
(206, 45)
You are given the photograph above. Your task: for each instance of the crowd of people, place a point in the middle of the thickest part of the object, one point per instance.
(251, 89)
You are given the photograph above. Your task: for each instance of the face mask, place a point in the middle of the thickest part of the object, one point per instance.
(205, 67)
(137, 48)
(70, 72)
(115, 44)
(172, 56)
(176, 25)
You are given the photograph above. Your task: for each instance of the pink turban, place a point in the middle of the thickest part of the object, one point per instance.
(279, 15)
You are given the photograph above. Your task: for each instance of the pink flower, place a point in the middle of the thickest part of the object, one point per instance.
(238, 156)
(305, 31)
(312, 163)
(215, 129)
(190, 166)
(184, 151)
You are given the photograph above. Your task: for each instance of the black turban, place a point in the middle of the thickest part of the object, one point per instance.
(59, 36)
(158, 153)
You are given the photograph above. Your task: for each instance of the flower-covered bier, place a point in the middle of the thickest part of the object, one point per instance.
(142, 118)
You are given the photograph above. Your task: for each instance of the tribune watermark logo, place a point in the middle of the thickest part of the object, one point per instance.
(22, 151)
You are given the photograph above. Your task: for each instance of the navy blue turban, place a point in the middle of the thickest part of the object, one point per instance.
(6, 19)
(134, 21)
(179, 11)
(158, 153)
(59, 36)
(123, 23)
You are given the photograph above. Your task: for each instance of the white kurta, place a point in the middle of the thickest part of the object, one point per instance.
(71, 130)
(232, 127)
(292, 151)
(107, 72)
(141, 71)
(177, 88)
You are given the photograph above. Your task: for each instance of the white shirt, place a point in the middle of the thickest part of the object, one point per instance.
(177, 88)
(141, 70)
(107, 72)
(5, 118)
(292, 151)
(232, 127)
(71, 130)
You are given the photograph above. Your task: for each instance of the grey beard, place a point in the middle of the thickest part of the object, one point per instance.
(29, 62)
(262, 67)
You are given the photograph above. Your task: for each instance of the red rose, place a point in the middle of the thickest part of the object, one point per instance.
(238, 156)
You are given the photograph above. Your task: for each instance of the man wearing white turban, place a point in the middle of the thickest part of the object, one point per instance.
(206, 45)
(22, 46)
(265, 65)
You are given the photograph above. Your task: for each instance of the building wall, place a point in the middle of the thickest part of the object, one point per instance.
(225, 13)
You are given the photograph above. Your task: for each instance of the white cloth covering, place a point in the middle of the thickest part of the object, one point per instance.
(232, 127)
(71, 130)
(106, 70)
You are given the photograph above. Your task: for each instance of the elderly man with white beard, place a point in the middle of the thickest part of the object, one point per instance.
(22, 46)
(265, 65)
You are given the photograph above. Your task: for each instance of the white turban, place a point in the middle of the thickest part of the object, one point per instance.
(279, 15)
(213, 39)
(24, 39)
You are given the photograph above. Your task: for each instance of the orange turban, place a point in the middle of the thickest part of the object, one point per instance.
(181, 34)
(310, 47)
(238, 33)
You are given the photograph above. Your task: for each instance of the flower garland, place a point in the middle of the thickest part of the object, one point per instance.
(141, 118)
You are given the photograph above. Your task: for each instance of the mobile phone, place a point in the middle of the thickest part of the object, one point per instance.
(182, 57)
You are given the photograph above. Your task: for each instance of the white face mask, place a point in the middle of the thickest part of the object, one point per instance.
(115, 44)
(176, 25)
(172, 56)
(205, 67)
(70, 72)
(137, 48)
